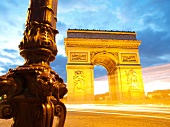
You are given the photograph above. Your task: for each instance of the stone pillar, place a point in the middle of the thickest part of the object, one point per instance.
(112, 87)
(131, 82)
(80, 83)
(118, 83)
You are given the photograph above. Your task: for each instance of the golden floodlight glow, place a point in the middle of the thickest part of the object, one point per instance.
(116, 51)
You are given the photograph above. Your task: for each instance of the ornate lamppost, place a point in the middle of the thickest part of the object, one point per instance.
(33, 90)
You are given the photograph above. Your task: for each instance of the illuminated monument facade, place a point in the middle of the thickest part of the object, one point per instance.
(117, 51)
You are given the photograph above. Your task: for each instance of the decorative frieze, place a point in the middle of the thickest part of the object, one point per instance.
(78, 56)
(129, 57)
(102, 45)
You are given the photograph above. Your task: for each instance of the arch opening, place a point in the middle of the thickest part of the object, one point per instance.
(103, 81)
(100, 80)
(106, 62)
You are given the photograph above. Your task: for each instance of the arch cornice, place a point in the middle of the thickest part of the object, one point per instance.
(98, 43)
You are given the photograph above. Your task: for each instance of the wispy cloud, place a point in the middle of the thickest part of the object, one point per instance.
(150, 18)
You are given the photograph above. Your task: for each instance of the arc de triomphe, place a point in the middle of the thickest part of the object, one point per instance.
(117, 51)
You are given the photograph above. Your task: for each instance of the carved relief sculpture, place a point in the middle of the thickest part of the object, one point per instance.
(132, 80)
(33, 90)
(78, 80)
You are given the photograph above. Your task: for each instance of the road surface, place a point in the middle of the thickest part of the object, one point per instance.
(114, 116)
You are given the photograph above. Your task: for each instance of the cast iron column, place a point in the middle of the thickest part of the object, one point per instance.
(33, 90)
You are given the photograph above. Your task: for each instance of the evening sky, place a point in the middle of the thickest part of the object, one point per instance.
(148, 18)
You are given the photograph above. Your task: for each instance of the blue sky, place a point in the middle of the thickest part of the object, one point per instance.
(149, 18)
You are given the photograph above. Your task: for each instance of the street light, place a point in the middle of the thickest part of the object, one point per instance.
(33, 90)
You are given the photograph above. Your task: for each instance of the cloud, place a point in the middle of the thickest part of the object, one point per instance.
(12, 2)
(9, 58)
(67, 6)
(111, 14)
(12, 19)
(154, 48)
(3, 11)
(149, 18)
(11, 53)
(2, 71)
(62, 28)
(82, 13)
(59, 65)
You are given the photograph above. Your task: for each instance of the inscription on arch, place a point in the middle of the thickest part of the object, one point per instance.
(78, 56)
(129, 57)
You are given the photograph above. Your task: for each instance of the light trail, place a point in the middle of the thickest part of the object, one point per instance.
(120, 107)
(154, 78)
(123, 114)
(131, 108)
(156, 73)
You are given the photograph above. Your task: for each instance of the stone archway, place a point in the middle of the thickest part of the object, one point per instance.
(116, 51)
(107, 60)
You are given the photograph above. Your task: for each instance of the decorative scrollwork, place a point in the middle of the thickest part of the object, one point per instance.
(6, 110)
(44, 44)
(46, 83)
(10, 85)
(60, 112)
